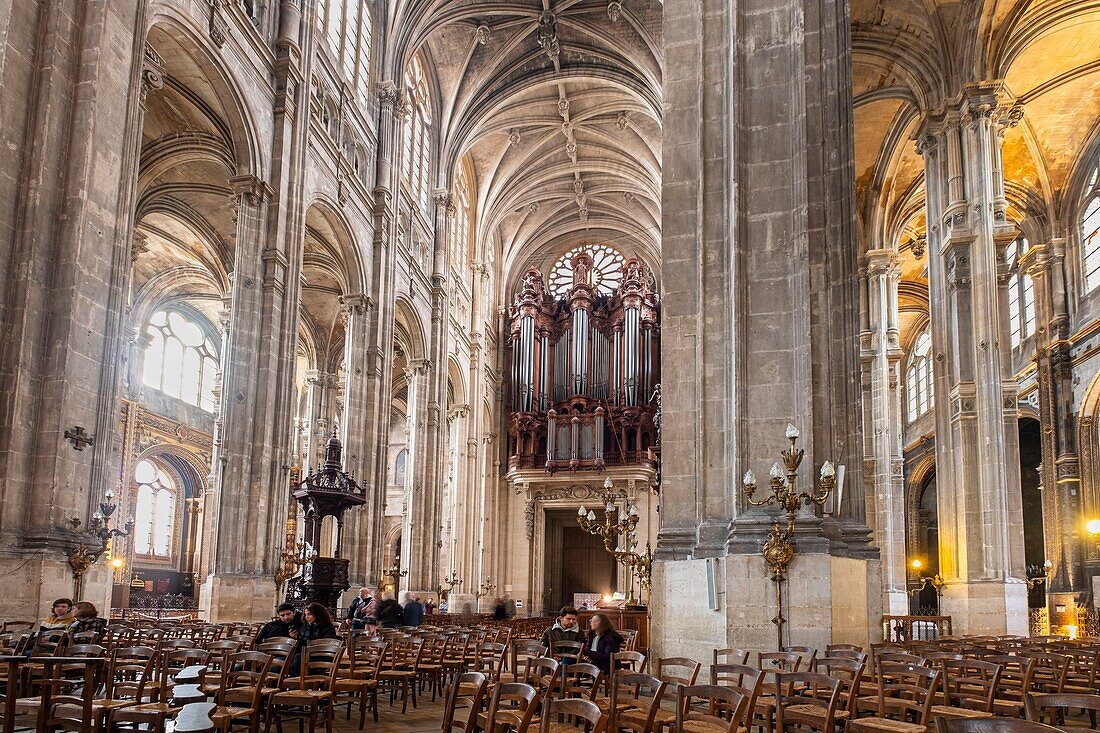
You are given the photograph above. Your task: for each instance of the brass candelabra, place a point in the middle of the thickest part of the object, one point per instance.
(449, 583)
(612, 531)
(779, 549)
(81, 557)
(486, 587)
(290, 560)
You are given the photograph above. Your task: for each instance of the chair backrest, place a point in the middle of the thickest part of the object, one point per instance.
(463, 702)
(366, 657)
(808, 654)
(489, 659)
(632, 661)
(246, 670)
(830, 648)
(991, 725)
(178, 644)
(678, 670)
(566, 649)
(970, 683)
(518, 698)
(643, 691)
(50, 643)
(907, 687)
(846, 654)
(1050, 672)
(129, 672)
(581, 714)
(225, 645)
(730, 655)
(1057, 704)
(280, 654)
(523, 649)
(783, 661)
(542, 673)
(848, 672)
(581, 680)
(72, 711)
(1017, 673)
(712, 707)
(630, 639)
(320, 664)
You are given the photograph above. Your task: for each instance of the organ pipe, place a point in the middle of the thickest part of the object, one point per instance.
(581, 371)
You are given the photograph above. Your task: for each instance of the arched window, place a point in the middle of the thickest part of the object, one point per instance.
(399, 467)
(155, 516)
(1090, 230)
(181, 360)
(1021, 294)
(607, 270)
(417, 138)
(346, 27)
(918, 378)
(460, 223)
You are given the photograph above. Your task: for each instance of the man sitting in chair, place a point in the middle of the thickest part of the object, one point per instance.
(565, 628)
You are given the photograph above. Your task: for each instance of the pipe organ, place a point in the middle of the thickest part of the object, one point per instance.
(583, 368)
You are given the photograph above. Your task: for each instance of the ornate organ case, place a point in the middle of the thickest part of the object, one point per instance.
(583, 370)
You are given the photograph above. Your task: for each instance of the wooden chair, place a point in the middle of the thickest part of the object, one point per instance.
(542, 673)
(678, 670)
(156, 713)
(632, 661)
(581, 680)
(808, 654)
(969, 688)
(830, 648)
(742, 678)
(709, 709)
(1081, 673)
(1056, 705)
(905, 695)
(511, 708)
(489, 659)
(310, 693)
(635, 701)
(807, 700)
(399, 670)
(130, 681)
(630, 639)
(1050, 671)
(569, 716)
(849, 673)
(522, 650)
(730, 655)
(991, 725)
(463, 701)
(566, 652)
(67, 702)
(1014, 685)
(245, 678)
(359, 678)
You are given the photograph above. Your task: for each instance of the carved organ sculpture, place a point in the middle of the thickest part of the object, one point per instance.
(583, 368)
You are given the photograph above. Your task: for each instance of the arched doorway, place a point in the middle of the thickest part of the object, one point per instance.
(1031, 458)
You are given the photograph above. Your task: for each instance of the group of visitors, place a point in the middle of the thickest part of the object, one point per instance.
(370, 612)
(73, 618)
(598, 644)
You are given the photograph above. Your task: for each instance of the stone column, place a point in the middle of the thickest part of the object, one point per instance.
(358, 310)
(417, 532)
(883, 476)
(1061, 481)
(319, 416)
(977, 443)
(760, 318)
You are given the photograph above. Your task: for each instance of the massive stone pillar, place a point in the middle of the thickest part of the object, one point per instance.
(356, 542)
(884, 480)
(75, 70)
(1061, 482)
(977, 444)
(417, 531)
(760, 317)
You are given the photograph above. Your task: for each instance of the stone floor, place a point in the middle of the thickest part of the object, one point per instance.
(426, 718)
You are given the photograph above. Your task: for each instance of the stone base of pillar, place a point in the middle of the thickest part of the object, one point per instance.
(31, 586)
(827, 600)
(225, 598)
(459, 604)
(986, 607)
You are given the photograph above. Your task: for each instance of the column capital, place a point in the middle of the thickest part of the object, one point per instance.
(882, 262)
(357, 303)
(445, 200)
(250, 188)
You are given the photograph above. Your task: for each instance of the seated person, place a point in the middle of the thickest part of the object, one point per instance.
(565, 628)
(318, 625)
(287, 622)
(603, 641)
(61, 617)
(87, 618)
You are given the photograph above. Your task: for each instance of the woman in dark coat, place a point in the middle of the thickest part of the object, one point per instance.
(603, 641)
(317, 625)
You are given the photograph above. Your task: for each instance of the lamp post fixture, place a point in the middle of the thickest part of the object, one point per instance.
(450, 583)
(1048, 571)
(81, 557)
(612, 532)
(779, 548)
(487, 586)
